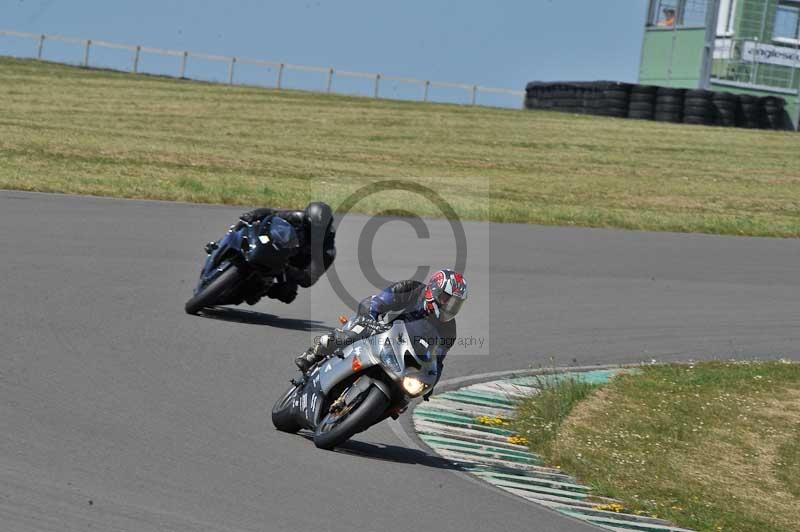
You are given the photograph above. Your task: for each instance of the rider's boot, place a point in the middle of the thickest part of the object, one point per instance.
(325, 346)
(252, 299)
(211, 247)
(285, 292)
(311, 357)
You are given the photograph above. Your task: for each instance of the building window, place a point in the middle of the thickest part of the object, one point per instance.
(693, 13)
(727, 11)
(665, 13)
(678, 13)
(787, 21)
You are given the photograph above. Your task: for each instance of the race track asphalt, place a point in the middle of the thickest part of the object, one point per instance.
(120, 412)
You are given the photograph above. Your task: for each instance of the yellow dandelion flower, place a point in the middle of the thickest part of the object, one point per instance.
(493, 421)
(610, 507)
(516, 439)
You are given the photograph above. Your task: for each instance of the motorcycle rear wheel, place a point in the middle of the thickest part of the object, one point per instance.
(210, 294)
(332, 431)
(282, 417)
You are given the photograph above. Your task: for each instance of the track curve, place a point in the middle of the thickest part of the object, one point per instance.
(120, 412)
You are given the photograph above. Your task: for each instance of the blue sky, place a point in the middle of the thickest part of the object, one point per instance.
(503, 44)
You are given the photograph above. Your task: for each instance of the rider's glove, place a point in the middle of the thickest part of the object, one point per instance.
(370, 324)
(238, 225)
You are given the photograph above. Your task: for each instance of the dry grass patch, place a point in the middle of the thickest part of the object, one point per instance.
(714, 446)
(67, 129)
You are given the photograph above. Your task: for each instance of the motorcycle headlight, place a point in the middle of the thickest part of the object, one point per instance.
(413, 386)
(388, 357)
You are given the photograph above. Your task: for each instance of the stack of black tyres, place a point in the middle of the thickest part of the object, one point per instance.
(663, 104)
(642, 102)
(565, 98)
(613, 100)
(561, 98)
(773, 112)
(669, 105)
(753, 113)
(593, 99)
(533, 95)
(580, 93)
(547, 97)
(725, 107)
(697, 107)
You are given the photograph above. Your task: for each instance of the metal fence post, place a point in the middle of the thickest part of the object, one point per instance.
(280, 76)
(330, 80)
(230, 70)
(41, 46)
(672, 54)
(427, 88)
(796, 66)
(377, 84)
(86, 53)
(707, 61)
(797, 112)
(761, 37)
(474, 94)
(183, 65)
(136, 59)
(754, 71)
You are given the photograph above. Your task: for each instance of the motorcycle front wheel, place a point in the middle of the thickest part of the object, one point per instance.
(336, 428)
(211, 293)
(282, 416)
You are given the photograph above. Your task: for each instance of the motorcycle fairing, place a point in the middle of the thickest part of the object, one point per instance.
(308, 401)
(215, 264)
(334, 370)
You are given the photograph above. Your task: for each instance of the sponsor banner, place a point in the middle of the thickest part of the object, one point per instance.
(769, 54)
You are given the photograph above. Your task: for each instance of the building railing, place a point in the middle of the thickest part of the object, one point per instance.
(759, 64)
(327, 74)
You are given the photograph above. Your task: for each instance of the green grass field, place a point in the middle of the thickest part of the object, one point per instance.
(710, 446)
(67, 129)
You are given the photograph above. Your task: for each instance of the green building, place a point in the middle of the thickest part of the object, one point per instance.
(743, 46)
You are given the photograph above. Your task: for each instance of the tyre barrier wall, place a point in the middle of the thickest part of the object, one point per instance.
(662, 104)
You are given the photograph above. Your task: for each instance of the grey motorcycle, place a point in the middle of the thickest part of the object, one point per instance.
(359, 386)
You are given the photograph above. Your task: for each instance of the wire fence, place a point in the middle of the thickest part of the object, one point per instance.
(325, 79)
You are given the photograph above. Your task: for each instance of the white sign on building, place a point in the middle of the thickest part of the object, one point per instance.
(771, 55)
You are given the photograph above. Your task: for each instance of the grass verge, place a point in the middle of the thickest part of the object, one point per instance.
(68, 129)
(711, 446)
(540, 417)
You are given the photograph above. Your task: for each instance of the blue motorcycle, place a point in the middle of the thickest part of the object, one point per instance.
(245, 263)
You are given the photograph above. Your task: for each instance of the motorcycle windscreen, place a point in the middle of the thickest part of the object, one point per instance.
(282, 234)
(275, 242)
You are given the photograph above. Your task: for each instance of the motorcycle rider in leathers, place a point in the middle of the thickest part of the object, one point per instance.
(314, 229)
(434, 304)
